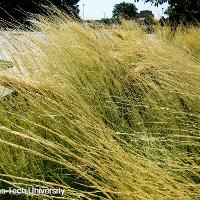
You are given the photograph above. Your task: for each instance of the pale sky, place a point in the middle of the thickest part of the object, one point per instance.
(97, 9)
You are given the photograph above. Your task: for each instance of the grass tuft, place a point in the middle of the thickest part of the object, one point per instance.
(104, 114)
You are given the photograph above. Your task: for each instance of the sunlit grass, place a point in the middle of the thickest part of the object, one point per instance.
(104, 114)
(186, 38)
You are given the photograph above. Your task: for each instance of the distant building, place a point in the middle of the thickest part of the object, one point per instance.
(146, 14)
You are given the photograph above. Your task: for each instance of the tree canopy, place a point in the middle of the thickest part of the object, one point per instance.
(18, 9)
(125, 10)
(181, 10)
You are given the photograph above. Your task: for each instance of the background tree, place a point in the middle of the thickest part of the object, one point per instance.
(18, 9)
(69, 6)
(181, 10)
(125, 10)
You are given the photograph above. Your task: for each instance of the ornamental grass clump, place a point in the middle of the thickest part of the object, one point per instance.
(102, 113)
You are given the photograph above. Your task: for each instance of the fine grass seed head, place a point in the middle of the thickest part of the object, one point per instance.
(103, 113)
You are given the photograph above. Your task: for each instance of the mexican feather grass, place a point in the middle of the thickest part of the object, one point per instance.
(103, 114)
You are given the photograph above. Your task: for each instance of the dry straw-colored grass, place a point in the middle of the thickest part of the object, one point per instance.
(186, 38)
(104, 114)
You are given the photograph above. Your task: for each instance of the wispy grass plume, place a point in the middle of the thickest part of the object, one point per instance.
(104, 114)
